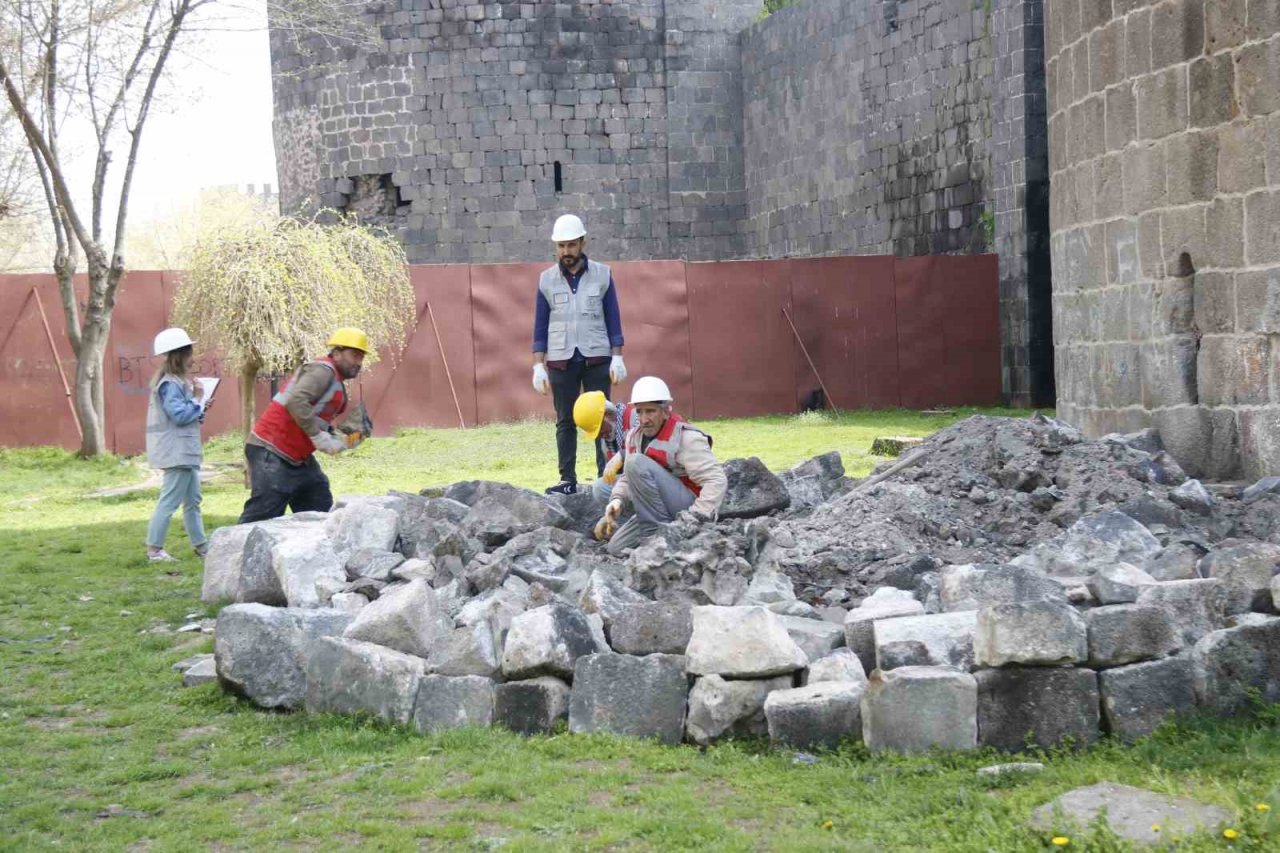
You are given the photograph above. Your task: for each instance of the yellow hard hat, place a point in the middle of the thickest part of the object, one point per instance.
(588, 413)
(351, 338)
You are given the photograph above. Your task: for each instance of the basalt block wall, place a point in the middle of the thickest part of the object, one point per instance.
(1164, 122)
(691, 130)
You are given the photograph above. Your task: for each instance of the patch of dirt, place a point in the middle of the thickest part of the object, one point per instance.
(199, 732)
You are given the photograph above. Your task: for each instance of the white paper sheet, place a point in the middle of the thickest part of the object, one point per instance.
(210, 384)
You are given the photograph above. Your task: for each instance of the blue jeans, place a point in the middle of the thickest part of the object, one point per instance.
(181, 486)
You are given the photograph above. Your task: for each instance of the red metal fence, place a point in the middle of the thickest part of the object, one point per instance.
(883, 332)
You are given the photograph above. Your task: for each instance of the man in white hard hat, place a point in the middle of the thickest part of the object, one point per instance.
(668, 469)
(577, 339)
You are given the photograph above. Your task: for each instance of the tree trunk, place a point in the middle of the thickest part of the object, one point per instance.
(88, 392)
(248, 382)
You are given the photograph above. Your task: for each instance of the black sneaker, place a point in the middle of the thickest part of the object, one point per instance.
(564, 487)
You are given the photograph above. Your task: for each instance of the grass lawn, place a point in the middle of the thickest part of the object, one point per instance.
(101, 748)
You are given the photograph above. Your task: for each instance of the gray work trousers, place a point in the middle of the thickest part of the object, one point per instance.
(658, 497)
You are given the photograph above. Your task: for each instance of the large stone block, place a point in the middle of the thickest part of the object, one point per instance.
(608, 596)
(300, 555)
(1199, 606)
(446, 702)
(1118, 584)
(225, 579)
(916, 708)
(1045, 707)
(468, 650)
(741, 642)
(940, 639)
(859, 623)
(1137, 698)
(547, 641)
(349, 676)
(531, 707)
(817, 715)
(817, 638)
(1037, 633)
(972, 587)
(1126, 633)
(407, 619)
(1248, 568)
(628, 695)
(361, 525)
(1232, 663)
(734, 708)
(753, 490)
(261, 652)
(840, 665)
(662, 627)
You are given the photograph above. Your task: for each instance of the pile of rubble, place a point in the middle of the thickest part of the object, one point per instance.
(1012, 561)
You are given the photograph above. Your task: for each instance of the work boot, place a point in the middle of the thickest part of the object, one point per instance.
(564, 487)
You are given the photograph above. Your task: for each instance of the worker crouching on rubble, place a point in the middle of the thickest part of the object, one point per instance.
(668, 470)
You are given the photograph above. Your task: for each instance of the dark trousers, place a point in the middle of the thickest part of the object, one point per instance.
(566, 385)
(277, 484)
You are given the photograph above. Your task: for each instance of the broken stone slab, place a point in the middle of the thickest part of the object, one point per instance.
(1118, 584)
(1134, 814)
(725, 587)
(917, 708)
(971, 587)
(720, 708)
(1040, 706)
(1232, 663)
(350, 603)
(362, 526)
(584, 510)
(1248, 567)
(351, 676)
(1263, 487)
(1137, 698)
(262, 651)
(817, 715)
(840, 665)
(367, 588)
(446, 702)
(414, 568)
(407, 619)
(816, 638)
(1179, 561)
(531, 707)
(429, 527)
(741, 642)
(547, 640)
(1013, 768)
(1091, 543)
(859, 623)
(655, 627)
(796, 607)
(607, 595)
(814, 481)
(936, 639)
(497, 608)
(629, 695)
(373, 564)
(1031, 633)
(224, 571)
(1199, 606)
(1152, 512)
(469, 650)
(301, 557)
(768, 587)
(753, 490)
(1120, 634)
(204, 672)
(1193, 497)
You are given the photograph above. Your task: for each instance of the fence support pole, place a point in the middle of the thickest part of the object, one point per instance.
(812, 366)
(53, 348)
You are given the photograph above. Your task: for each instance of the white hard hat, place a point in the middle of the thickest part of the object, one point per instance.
(650, 389)
(170, 340)
(567, 227)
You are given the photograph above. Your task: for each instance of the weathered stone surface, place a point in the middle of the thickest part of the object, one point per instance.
(971, 587)
(1199, 606)
(1137, 698)
(204, 672)
(350, 603)
(224, 577)
(407, 619)
(629, 695)
(547, 640)
(814, 481)
(916, 708)
(655, 627)
(497, 607)
(1247, 567)
(608, 596)
(840, 665)
(1126, 633)
(469, 650)
(1177, 562)
(1231, 662)
(1263, 487)
(1032, 633)
(430, 528)
(350, 677)
(817, 715)
(937, 639)
(301, 557)
(499, 511)
(583, 508)
(719, 708)
(372, 563)
(741, 642)
(769, 587)
(531, 707)
(1013, 768)
(753, 490)
(817, 638)
(1043, 706)
(859, 623)
(361, 526)
(262, 651)
(1092, 543)
(538, 556)
(1193, 497)
(1131, 813)
(1118, 584)
(445, 702)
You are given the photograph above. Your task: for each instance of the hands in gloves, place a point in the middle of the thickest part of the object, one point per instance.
(612, 469)
(327, 442)
(541, 383)
(617, 370)
(609, 521)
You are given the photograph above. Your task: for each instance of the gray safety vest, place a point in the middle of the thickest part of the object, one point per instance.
(577, 319)
(170, 445)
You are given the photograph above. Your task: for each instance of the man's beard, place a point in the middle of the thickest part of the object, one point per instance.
(350, 372)
(568, 263)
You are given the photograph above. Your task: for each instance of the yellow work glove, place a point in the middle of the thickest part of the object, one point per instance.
(612, 469)
(609, 521)
(353, 439)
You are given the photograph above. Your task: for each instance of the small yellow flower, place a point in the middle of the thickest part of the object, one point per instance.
(826, 824)
(1230, 834)
(1061, 841)
(1263, 807)
(1155, 827)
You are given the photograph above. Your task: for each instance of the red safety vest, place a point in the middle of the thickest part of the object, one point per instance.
(626, 423)
(664, 447)
(281, 432)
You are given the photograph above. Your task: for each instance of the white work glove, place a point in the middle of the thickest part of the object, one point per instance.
(327, 442)
(617, 370)
(541, 383)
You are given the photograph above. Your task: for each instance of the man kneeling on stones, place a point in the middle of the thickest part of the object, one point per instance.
(668, 470)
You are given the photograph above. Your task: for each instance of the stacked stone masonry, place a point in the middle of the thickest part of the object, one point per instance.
(690, 130)
(1164, 124)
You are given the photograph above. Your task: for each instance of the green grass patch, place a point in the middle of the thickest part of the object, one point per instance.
(101, 749)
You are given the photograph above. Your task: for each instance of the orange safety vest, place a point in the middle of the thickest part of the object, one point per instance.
(664, 446)
(281, 432)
